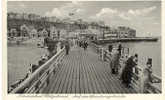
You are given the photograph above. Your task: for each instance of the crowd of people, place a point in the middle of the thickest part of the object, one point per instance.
(82, 43)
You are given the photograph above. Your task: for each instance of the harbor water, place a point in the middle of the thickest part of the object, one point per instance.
(20, 57)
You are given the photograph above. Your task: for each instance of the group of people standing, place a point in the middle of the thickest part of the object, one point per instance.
(80, 43)
(127, 70)
(83, 44)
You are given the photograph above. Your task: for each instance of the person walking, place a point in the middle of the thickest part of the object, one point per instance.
(67, 47)
(120, 49)
(115, 62)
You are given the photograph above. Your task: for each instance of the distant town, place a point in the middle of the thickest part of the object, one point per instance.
(32, 25)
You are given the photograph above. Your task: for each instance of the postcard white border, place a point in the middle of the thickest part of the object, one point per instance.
(7, 96)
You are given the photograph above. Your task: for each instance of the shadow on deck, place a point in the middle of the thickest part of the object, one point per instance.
(82, 72)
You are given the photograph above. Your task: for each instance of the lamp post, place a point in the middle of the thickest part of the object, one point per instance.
(103, 30)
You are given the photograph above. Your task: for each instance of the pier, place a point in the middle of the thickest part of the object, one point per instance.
(83, 47)
(136, 39)
(82, 71)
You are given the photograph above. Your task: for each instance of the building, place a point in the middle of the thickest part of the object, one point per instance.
(52, 19)
(24, 30)
(132, 33)
(42, 33)
(32, 17)
(33, 33)
(12, 32)
(25, 16)
(18, 16)
(110, 32)
(53, 31)
(126, 32)
(11, 15)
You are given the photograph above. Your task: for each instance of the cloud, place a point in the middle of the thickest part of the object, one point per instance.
(79, 10)
(124, 16)
(104, 14)
(134, 14)
(64, 11)
(55, 12)
(144, 11)
(75, 2)
(108, 13)
(134, 18)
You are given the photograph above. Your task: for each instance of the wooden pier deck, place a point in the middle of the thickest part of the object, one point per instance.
(82, 72)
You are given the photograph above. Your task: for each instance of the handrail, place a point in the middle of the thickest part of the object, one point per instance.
(137, 79)
(36, 75)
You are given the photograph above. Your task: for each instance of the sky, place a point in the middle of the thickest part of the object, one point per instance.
(144, 16)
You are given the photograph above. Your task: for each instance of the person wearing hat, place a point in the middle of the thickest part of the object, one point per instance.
(120, 49)
(126, 76)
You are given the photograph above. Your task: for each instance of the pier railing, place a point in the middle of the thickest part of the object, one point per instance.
(137, 81)
(39, 79)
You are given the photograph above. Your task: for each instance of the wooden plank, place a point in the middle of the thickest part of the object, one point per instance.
(58, 79)
(110, 78)
(106, 81)
(66, 82)
(65, 76)
(85, 79)
(46, 90)
(54, 78)
(88, 84)
(73, 88)
(116, 83)
(91, 86)
(114, 87)
(82, 72)
(98, 74)
(70, 79)
(98, 86)
(93, 79)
